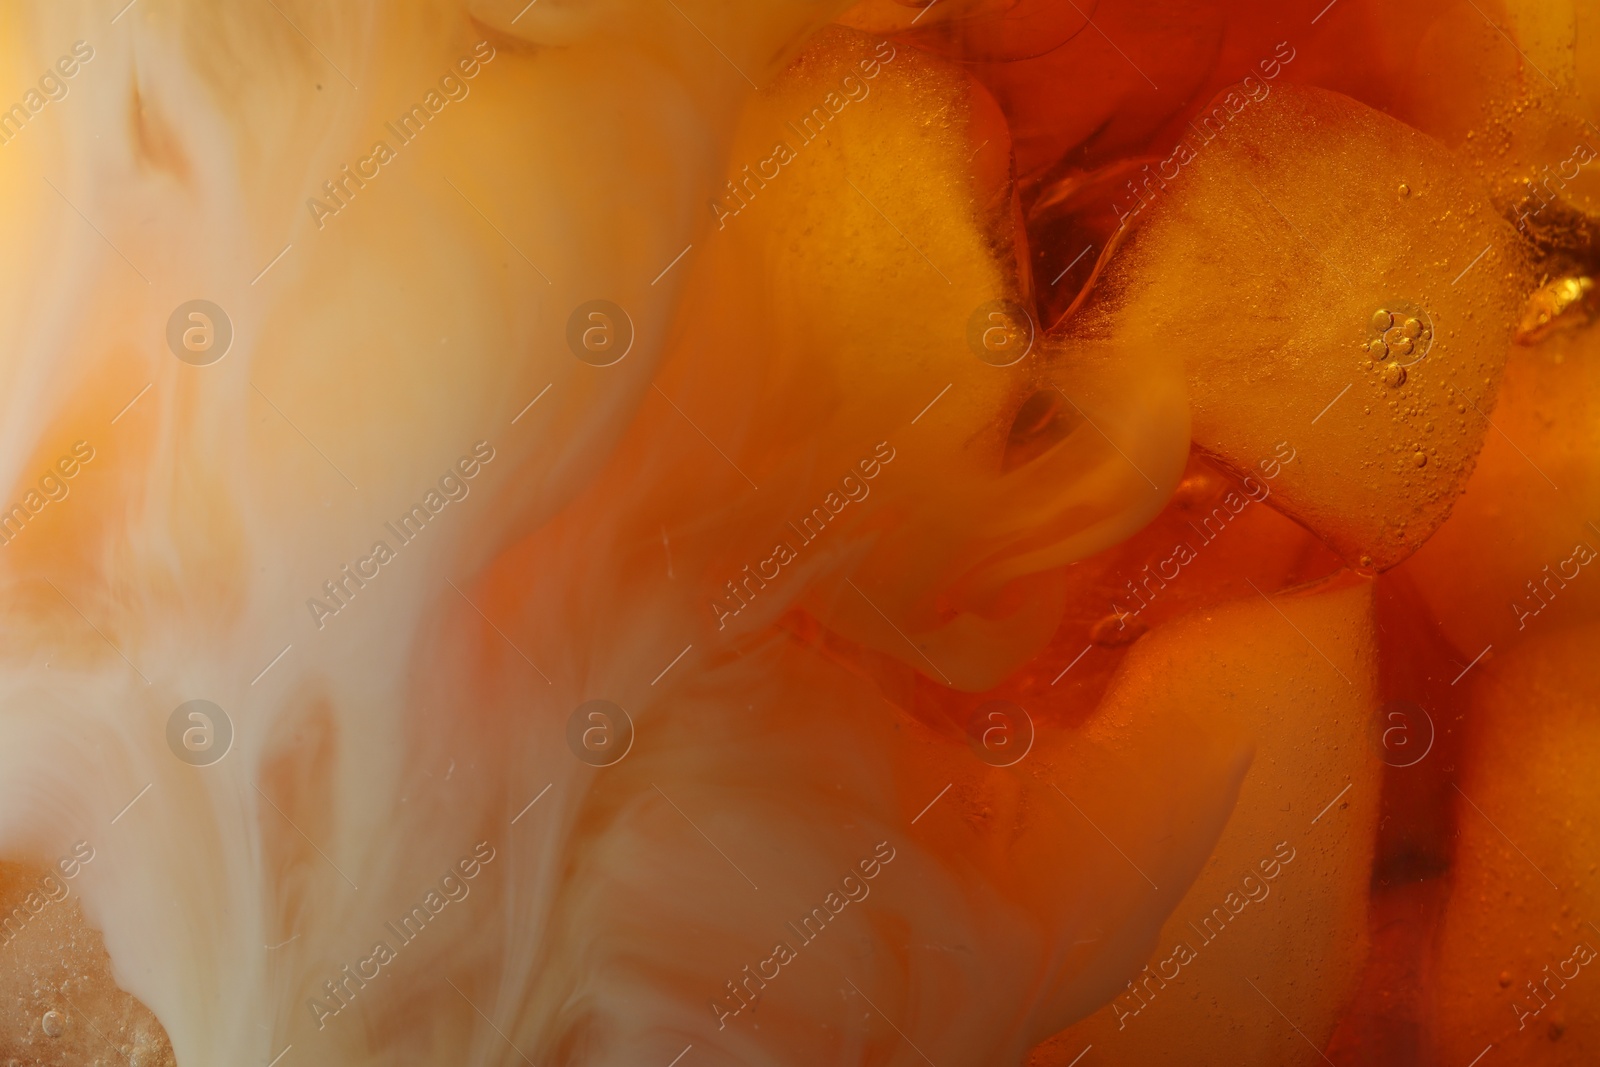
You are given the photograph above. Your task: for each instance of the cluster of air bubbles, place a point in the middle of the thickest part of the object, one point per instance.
(1399, 336)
